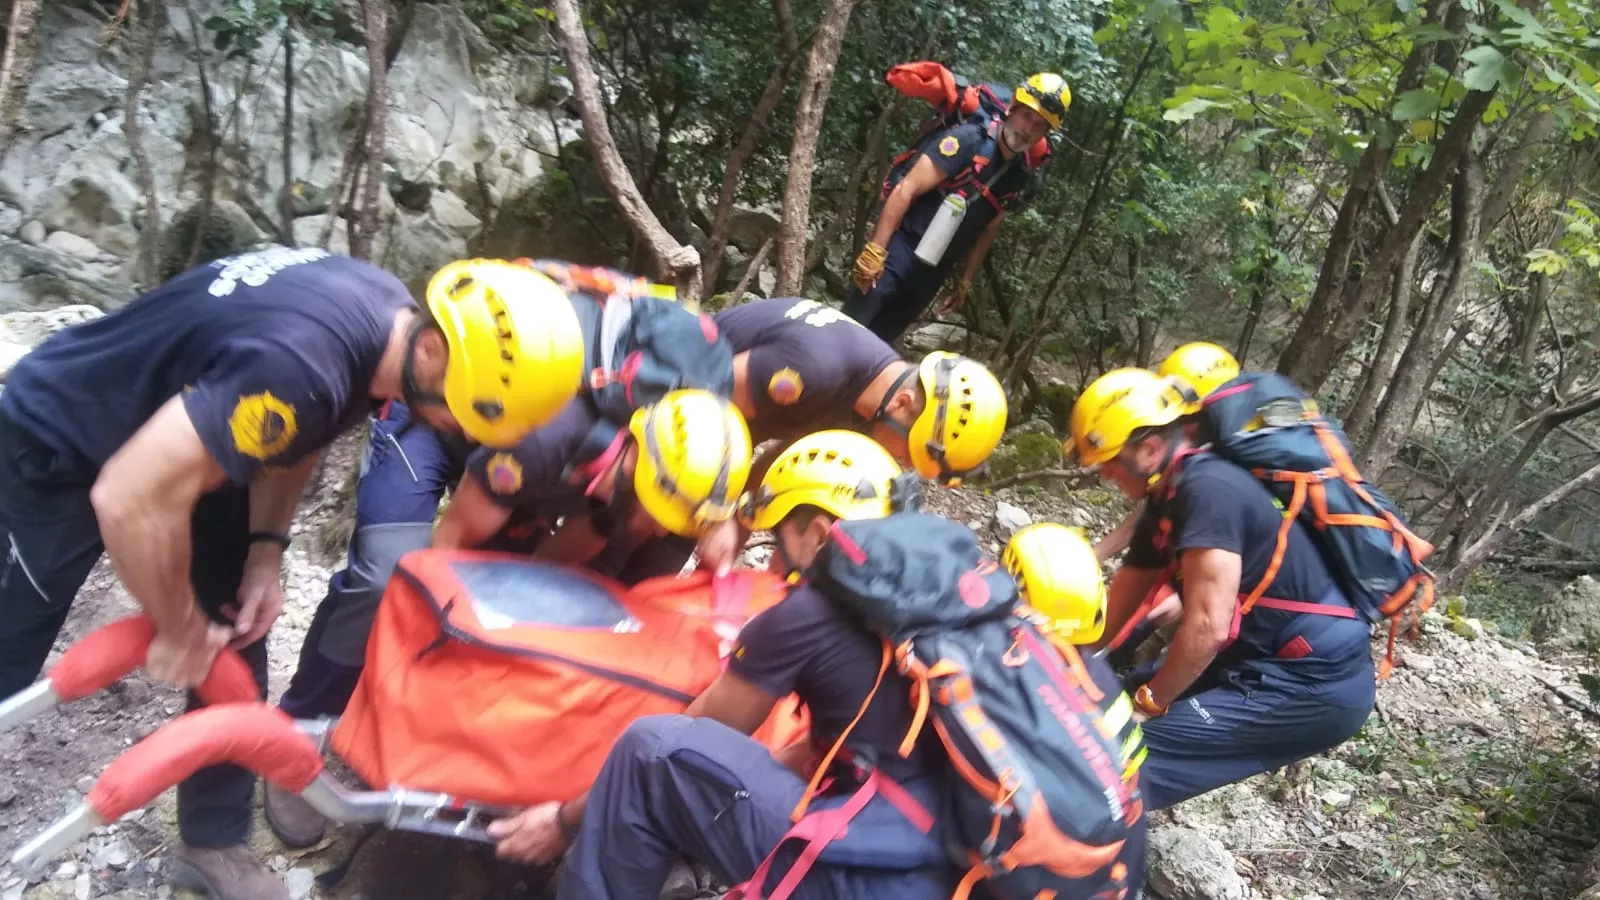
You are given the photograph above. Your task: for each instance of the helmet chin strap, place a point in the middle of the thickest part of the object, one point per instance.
(791, 572)
(888, 396)
(1153, 479)
(413, 393)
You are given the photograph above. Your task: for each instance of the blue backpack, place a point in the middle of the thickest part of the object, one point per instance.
(642, 342)
(1263, 422)
(1041, 784)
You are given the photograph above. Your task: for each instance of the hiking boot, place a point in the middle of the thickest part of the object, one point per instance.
(292, 819)
(226, 873)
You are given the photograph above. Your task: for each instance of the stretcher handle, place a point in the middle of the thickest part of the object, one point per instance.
(108, 653)
(258, 737)
(104, 656)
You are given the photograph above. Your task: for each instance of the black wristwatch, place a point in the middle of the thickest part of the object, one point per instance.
(273, 537)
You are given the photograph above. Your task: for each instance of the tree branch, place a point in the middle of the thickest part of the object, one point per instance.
(674, 262)
(754, 128)
(802, 153)
(16, 69)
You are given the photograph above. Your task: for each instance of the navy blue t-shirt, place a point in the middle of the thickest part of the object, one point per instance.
(804, 645)
(274, 353)
(531, 481)
(530, 477)
(808, 363)
(1219, 505)
(952, 151)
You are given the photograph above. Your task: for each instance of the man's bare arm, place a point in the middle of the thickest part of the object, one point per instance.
(144, 499)
(275, 495)
(471, 518)
(923, 177)
(1210, 593)
(1120, 537)
(1128, 589)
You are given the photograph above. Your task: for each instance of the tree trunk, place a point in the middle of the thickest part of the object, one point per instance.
(16, 68)
(1381, 369)
(1525, 334)
(1090, 214)
(1412, 378)
(1491, 543)
(208, 171)
(1311, 371)
(674, 262)
(1332, 279)
(286, 195)
(142, 35)
(1496, 486)
(365, 228)
(802, 154)
(754, 128)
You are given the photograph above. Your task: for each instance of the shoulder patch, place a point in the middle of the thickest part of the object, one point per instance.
(504, 473)
(785, 387)
(263, 426)
(949, 145)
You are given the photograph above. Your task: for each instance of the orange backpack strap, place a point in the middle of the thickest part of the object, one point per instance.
(833, 752)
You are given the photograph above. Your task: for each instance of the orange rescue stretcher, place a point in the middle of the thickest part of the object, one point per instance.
(492, 683)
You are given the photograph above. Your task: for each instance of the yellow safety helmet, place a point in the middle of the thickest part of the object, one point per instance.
(1116, 405)
(516, 348)
(962, 419)
(1202, 367)
(845, 473)
(694, 458)
(1046, 94)
(1058, 575)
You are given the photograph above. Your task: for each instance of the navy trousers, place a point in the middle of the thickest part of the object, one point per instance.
(53, 541)
(904, 290)
(403, 477)
(675, 787)
(1245, 720)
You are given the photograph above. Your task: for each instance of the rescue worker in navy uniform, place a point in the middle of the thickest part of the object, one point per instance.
(626, 503)
(1235, 696)
(177, 433)
(696, 785)
(990, 170)
(800, 367)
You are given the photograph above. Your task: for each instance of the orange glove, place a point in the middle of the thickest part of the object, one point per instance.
(869, 266)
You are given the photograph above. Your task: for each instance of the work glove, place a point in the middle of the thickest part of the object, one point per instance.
(869, 266)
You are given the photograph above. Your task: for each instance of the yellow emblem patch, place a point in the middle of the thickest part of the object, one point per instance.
(949, 146)
(263, 426)
(505, 474)
(785, 387)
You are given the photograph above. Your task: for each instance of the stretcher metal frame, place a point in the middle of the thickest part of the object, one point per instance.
(233, 728)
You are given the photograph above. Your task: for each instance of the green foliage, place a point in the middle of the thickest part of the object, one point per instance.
(239, 27)
(1508, 600)
(1028, 452)
(1576, 246)
(502, 20)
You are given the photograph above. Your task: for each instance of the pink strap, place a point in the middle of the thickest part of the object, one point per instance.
(1315, 609)
(818, 829)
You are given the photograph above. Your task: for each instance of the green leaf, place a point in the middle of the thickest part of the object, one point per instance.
(1591, 684)
(1187, 110)
(1490, 69)
(1418, 104)
(1528, 31)
(1547, 262)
